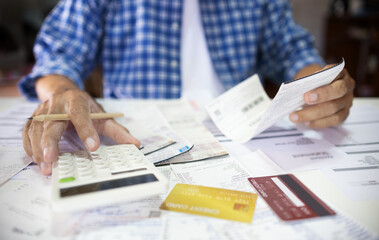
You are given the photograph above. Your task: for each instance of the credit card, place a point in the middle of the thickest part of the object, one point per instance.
(289, 198)
(212, 202)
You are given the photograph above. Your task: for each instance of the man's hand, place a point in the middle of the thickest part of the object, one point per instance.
(328, 105)
(40, 139)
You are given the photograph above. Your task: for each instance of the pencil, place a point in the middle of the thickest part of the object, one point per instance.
(61, 117)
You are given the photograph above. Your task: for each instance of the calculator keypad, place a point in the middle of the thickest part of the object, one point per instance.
(103, 162)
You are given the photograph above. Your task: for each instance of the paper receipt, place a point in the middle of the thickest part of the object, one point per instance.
(245, 110)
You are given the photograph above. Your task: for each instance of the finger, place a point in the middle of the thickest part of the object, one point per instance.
(35, 134)
(25, 139)
(28, 133)
(53, 131)
(80, 116)
(321, 110)
(338, 88)
(119, 133)
(329, 121)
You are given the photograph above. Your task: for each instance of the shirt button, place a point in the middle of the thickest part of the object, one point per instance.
(174, 64)
(175, 26)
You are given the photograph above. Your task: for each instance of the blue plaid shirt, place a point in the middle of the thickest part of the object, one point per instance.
(137, 44)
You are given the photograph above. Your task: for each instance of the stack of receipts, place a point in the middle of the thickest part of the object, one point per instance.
(168, 130)
(245, 110)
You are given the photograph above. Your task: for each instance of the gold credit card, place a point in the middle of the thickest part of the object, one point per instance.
(212, 202)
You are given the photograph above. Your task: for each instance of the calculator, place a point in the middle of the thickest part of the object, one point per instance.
(109, 175)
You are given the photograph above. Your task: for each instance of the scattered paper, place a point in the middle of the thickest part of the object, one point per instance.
(298, 153)
(359, 183)
(12, 160)
(358, 175)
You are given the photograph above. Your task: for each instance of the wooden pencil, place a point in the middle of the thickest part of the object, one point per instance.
(62, 117)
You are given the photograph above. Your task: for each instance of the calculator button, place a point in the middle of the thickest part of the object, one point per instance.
(66, 174)
(85, 173)
(103, 159)
(101, 164)
(114, 167)
(65, 159)
(119, 163)
(63, 155)
(81, 154)
(102, 168)
(65, 167)
(84, 167)
(67, 179)
(82, 161)
(98, 151)
(95, 156)
(136, 165)
(115, 159)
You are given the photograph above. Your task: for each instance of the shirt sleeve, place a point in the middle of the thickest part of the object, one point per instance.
(67, 44)
(286, 47)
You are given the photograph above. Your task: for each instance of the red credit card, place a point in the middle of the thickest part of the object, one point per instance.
(289, 198)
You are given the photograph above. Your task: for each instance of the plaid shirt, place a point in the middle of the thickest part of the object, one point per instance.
(137, 44)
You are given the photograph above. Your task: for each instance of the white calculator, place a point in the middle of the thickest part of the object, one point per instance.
(109, 175)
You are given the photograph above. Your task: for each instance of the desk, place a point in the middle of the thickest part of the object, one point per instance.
(365, 212)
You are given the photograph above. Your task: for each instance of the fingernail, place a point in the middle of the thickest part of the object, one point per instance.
(134, 141)
(294, 117)
(45, 151)
(46, 168)
(312, 97)
(43, 165)
(90, 142)
(48, 154)
(307, 124)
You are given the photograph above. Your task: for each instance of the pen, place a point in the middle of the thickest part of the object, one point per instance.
(60, 117)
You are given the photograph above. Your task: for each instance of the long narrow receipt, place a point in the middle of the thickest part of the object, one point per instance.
(245, 110)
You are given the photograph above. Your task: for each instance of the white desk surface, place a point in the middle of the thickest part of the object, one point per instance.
(365, 212)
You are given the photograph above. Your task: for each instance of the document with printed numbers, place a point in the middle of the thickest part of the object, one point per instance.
(12, 155)
(245, 110)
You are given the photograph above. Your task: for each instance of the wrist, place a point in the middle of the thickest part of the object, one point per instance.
(49, 85)
(307, 70)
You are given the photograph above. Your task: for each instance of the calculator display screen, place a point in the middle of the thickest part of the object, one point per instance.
(107, 185)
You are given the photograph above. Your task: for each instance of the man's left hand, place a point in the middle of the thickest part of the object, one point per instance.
(327, 105)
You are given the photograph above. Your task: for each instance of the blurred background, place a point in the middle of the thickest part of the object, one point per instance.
(342, 28)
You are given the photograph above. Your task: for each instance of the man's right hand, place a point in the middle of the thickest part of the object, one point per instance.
(40, 139)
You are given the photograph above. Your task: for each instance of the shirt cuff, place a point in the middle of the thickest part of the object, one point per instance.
(27, 83)
(304, 60)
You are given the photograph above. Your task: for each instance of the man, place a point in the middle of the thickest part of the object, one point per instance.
(158, 49)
